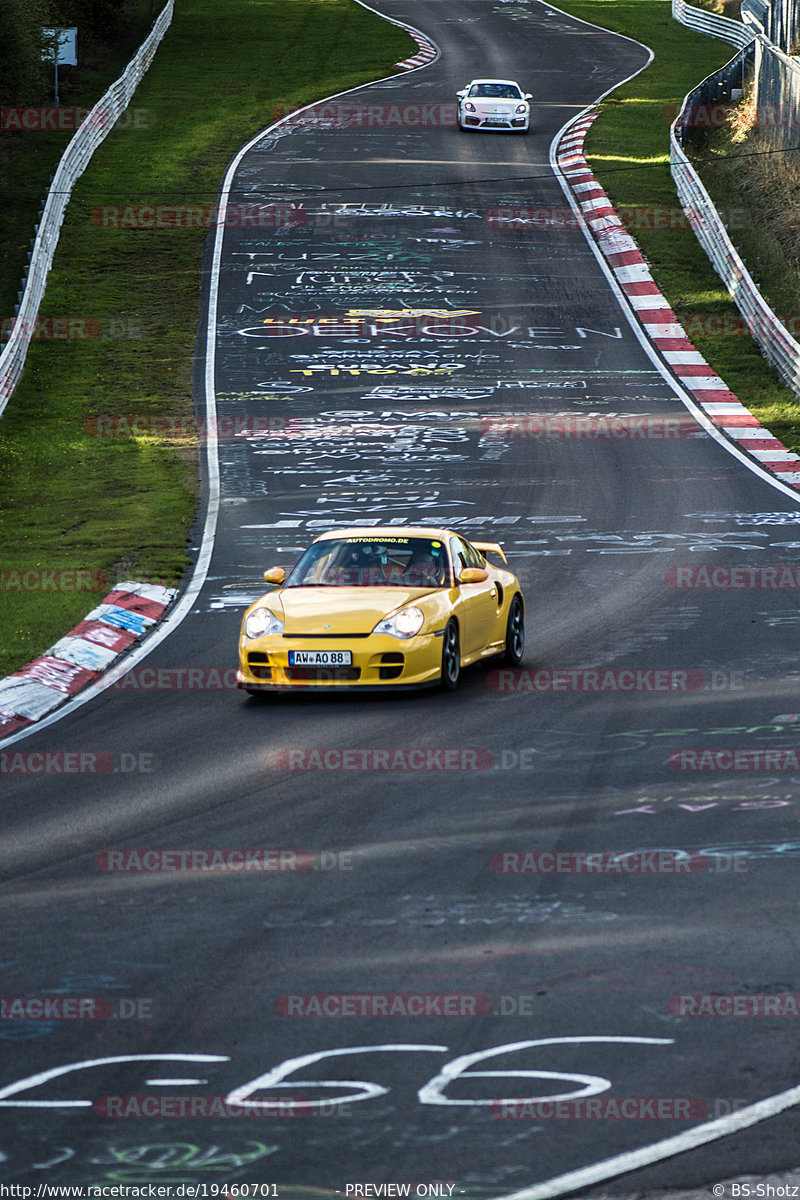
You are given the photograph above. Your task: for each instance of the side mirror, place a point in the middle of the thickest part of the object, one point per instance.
(460, 95)
(528, 96)
(473, 575)
(275, 575)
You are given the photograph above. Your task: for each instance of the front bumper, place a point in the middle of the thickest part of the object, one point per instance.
(378, 662)
(495, 124)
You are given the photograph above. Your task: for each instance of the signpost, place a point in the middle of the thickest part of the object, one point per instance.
(60, 45)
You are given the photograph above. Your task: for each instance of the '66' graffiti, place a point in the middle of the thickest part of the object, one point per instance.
(298, 1072)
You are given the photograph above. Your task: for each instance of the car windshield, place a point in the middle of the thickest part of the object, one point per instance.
(496, 91)
(366, 561)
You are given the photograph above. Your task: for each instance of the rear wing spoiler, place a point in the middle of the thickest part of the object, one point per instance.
(492, 547)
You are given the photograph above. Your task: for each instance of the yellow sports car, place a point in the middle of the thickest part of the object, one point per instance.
(397, 607)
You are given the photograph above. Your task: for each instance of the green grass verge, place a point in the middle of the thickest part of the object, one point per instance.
(743, 171)
(124, 507)
(628, 148)
(28, 158)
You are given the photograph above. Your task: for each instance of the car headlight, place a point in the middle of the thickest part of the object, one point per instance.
(404, 624)
(521, 108)
(469, 107)
(260, 622)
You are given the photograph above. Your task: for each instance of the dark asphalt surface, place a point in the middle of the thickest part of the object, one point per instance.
(405, 896)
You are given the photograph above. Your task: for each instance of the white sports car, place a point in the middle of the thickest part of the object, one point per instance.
(494, 104)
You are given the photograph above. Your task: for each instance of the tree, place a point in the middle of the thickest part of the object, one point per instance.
(24, 77)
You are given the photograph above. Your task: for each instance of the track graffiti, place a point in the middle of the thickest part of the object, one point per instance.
(699, 805)
(71, 983)
(290, 1072)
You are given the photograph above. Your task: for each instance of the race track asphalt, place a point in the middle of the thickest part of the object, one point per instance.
(512, 402)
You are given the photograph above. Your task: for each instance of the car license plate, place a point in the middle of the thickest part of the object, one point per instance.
(320, 658)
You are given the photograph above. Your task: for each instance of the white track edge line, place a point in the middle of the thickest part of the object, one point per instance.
(631, 1160)
(650, 350)
(415, 33)
(622, 1164)
(182, 608)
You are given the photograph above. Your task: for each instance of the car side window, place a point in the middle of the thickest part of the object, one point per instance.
(458, 553)
(474, 557)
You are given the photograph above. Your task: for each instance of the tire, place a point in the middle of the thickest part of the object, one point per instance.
(515, 633)
(451, 658)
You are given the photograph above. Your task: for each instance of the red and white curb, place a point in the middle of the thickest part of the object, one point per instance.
(657, 318)
(427, 53)
(89, 651)
(80, 657)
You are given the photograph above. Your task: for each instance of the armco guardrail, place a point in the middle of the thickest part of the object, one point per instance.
(712, 24)
(776, 87)
(776, 343)
(94, 129)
